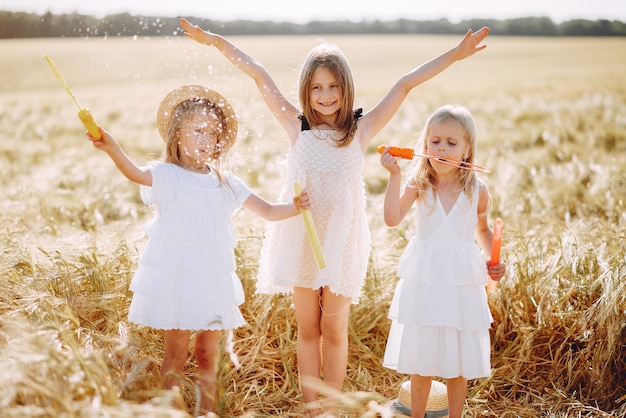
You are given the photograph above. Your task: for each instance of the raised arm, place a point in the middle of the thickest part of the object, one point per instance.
(284, 111)
(109, 145)
(374, 120)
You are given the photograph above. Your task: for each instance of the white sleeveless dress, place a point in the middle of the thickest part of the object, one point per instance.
(186, 275)
(440, 315)
(333, 177)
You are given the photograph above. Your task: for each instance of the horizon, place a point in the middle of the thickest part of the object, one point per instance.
(329, 10)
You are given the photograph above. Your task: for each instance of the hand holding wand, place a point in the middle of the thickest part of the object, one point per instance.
(311, 231)
(495, 251)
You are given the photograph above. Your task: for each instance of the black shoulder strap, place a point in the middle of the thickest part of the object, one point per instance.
(305, 123)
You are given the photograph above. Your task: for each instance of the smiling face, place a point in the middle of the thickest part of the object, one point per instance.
(326, 95)
(198, 139)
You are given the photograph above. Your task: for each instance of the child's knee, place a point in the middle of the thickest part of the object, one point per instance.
(205, 351)
(206, 355)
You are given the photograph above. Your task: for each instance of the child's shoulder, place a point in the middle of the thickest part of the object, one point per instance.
(482, 186)
(233, 179)
(231, 176)
(484, 197)
(160, 165)
(240, 189)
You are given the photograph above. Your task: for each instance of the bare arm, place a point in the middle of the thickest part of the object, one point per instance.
(380, 115)
(395, 206)
(277, 211)
(128, 168)
(285, 112)
(484, 234)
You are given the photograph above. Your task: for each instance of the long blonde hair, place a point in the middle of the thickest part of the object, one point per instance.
(329, 56)
(424, 174)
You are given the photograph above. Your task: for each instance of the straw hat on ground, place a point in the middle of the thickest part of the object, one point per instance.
(198, 93)
(436, 407)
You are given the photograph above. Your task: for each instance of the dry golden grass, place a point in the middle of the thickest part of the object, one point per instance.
(552, 129)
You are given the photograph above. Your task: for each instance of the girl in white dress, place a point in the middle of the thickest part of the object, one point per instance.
(440, 316)
(327, 140)
(186, 278)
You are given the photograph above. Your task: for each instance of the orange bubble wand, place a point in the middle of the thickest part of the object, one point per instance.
(311, 231)
(84, 115)
(496, 243)
(409, 153)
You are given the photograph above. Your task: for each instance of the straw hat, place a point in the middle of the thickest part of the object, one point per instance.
(197, 92)
(436, 407)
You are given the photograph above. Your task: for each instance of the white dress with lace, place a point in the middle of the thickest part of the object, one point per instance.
(186, 275)
(333, 177)
(440, 315)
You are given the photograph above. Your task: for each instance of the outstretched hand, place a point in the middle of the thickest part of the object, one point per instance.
(471, 43)
(194, 32)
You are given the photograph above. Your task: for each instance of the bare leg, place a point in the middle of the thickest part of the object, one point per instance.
(176, 352)
(306, 303)
(334, 326)
(457, 392)
(420, 389)
(206, 351)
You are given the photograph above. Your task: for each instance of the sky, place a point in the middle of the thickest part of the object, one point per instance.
(302, 12)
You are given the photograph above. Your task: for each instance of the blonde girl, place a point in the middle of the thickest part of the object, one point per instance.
(327, 142)
(185, 282)
(440, 316)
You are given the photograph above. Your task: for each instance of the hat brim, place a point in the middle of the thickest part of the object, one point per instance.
(197, 92)
(437, 405)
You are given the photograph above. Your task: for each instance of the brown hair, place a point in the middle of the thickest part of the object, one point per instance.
(329, 56)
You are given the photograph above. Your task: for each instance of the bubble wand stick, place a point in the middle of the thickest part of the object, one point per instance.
(496, 243)
(409, 153)
(311, 231)
(83, 114)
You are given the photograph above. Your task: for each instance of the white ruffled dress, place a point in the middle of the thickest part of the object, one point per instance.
(186, 275)
(333, 177)
(439, 311)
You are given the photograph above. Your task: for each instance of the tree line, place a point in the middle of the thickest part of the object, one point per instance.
(30, 25)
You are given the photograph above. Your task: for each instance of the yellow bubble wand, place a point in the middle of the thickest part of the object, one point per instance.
(311, 231)
(83, 114)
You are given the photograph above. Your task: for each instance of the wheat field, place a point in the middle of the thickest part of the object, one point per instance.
(551, 115)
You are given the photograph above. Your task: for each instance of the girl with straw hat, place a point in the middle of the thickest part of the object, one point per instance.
(440, 315)
(186, 279)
